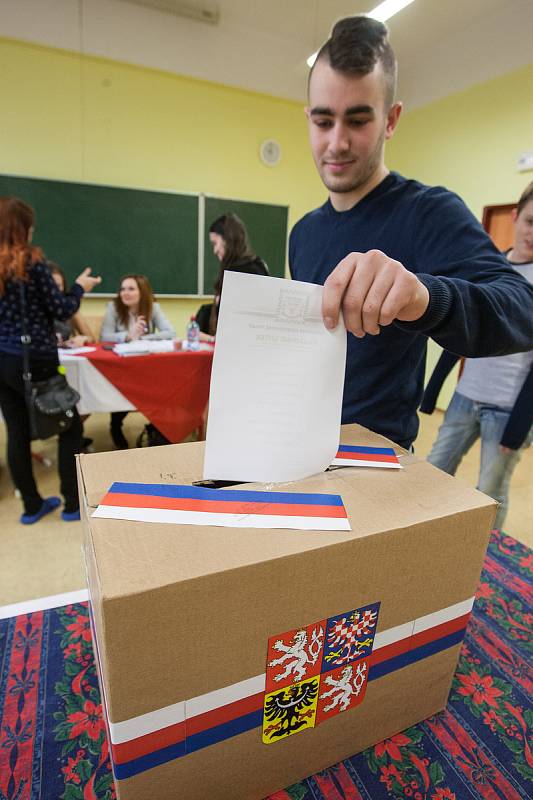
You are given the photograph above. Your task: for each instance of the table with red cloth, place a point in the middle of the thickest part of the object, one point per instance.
(170, 389)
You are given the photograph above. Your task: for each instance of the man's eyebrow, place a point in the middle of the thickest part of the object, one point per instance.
(325, 111)
(361, 109)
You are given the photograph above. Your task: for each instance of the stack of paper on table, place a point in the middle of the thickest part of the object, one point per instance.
(143, 346)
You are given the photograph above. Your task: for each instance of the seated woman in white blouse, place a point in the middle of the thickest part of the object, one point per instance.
(132, 315)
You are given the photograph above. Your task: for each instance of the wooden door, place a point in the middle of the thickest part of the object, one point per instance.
(498, 223)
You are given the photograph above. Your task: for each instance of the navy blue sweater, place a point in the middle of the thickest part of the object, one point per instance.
(44, 304)
(479, 306)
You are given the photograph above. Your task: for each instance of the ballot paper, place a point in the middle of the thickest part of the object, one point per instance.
(142, 346)
(276, 383)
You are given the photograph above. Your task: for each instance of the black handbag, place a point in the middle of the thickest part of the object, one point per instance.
(51, 403)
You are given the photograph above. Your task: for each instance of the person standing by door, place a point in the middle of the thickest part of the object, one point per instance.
(493, 400)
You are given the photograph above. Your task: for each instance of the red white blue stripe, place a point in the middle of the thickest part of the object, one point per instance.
(160, 736)
(358, 456)
(237, 508)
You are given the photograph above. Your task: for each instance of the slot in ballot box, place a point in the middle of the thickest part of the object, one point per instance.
(233, 662)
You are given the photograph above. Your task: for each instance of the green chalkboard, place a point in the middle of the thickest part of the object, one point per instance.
(267, 229)
(114, 231)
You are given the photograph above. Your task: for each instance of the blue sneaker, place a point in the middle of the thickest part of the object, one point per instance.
(49, 504)
(70, 516)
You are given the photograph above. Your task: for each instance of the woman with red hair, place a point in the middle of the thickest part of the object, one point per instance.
(22, 264)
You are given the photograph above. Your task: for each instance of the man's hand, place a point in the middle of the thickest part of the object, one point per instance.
(87, 281)
(372, 289)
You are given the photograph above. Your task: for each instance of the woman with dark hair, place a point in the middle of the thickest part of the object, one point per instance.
(73, 332)
(231, 246)
(133, 315)
(21, 264)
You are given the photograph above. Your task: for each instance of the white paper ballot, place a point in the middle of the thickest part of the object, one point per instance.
(276, 383)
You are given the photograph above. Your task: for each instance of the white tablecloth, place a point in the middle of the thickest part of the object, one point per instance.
(97, 393)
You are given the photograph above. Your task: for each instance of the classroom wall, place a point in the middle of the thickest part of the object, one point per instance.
(90, 119)
(470, 141)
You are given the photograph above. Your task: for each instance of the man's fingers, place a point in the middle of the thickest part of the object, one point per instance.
(397, 298)
(373, 302)
(334, 289)
(372, 290)
(355, 298)
(369, 285)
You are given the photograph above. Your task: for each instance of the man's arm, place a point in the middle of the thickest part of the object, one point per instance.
(459, 290)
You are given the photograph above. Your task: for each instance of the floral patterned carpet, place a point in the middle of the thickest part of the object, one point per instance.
(53, 744)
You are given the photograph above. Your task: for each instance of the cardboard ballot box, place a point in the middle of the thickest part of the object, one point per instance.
(361, 629)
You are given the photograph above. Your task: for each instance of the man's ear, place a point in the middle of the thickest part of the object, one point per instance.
(514, 215)
(393, 115)
(307, 112)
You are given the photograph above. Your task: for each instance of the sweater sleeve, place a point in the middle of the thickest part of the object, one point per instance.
(479, 306)
(164, 329)
(59, 305)
(442, 369)
(110, 331)
(521, 417)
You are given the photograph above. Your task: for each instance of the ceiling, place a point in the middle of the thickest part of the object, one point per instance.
(441, 46)
(262, 45)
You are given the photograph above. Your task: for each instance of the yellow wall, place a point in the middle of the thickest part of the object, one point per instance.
(90, 119)
(470, 141)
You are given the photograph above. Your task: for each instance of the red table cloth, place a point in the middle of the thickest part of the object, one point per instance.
(170, 389)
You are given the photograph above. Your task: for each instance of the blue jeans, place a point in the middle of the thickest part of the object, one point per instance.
(466, 421)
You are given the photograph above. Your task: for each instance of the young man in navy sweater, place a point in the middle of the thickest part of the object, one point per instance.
(400, 260)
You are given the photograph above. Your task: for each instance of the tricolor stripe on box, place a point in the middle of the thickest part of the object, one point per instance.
(358, 456)
(152, 739)
(235, 508)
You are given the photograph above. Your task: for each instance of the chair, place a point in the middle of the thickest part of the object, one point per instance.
(94, 321)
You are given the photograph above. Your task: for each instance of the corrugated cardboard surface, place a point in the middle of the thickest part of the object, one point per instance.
(184, 610)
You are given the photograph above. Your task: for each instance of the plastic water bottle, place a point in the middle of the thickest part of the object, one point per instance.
(193, 334)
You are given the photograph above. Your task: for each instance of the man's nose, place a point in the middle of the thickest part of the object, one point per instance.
(339, 139)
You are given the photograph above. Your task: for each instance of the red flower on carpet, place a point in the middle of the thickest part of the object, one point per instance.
(69, 770)
(527, 561)
(443, 794)
(80, 628)
(89, 720)
(73, 650)
(392, 745)
(484, 590)
(479, 688)
(491, 719)
(388, 773)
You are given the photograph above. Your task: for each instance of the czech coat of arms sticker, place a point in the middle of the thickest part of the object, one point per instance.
(317, 671)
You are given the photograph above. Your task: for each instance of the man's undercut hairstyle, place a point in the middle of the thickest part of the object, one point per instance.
(355, 46)
(525, 198)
